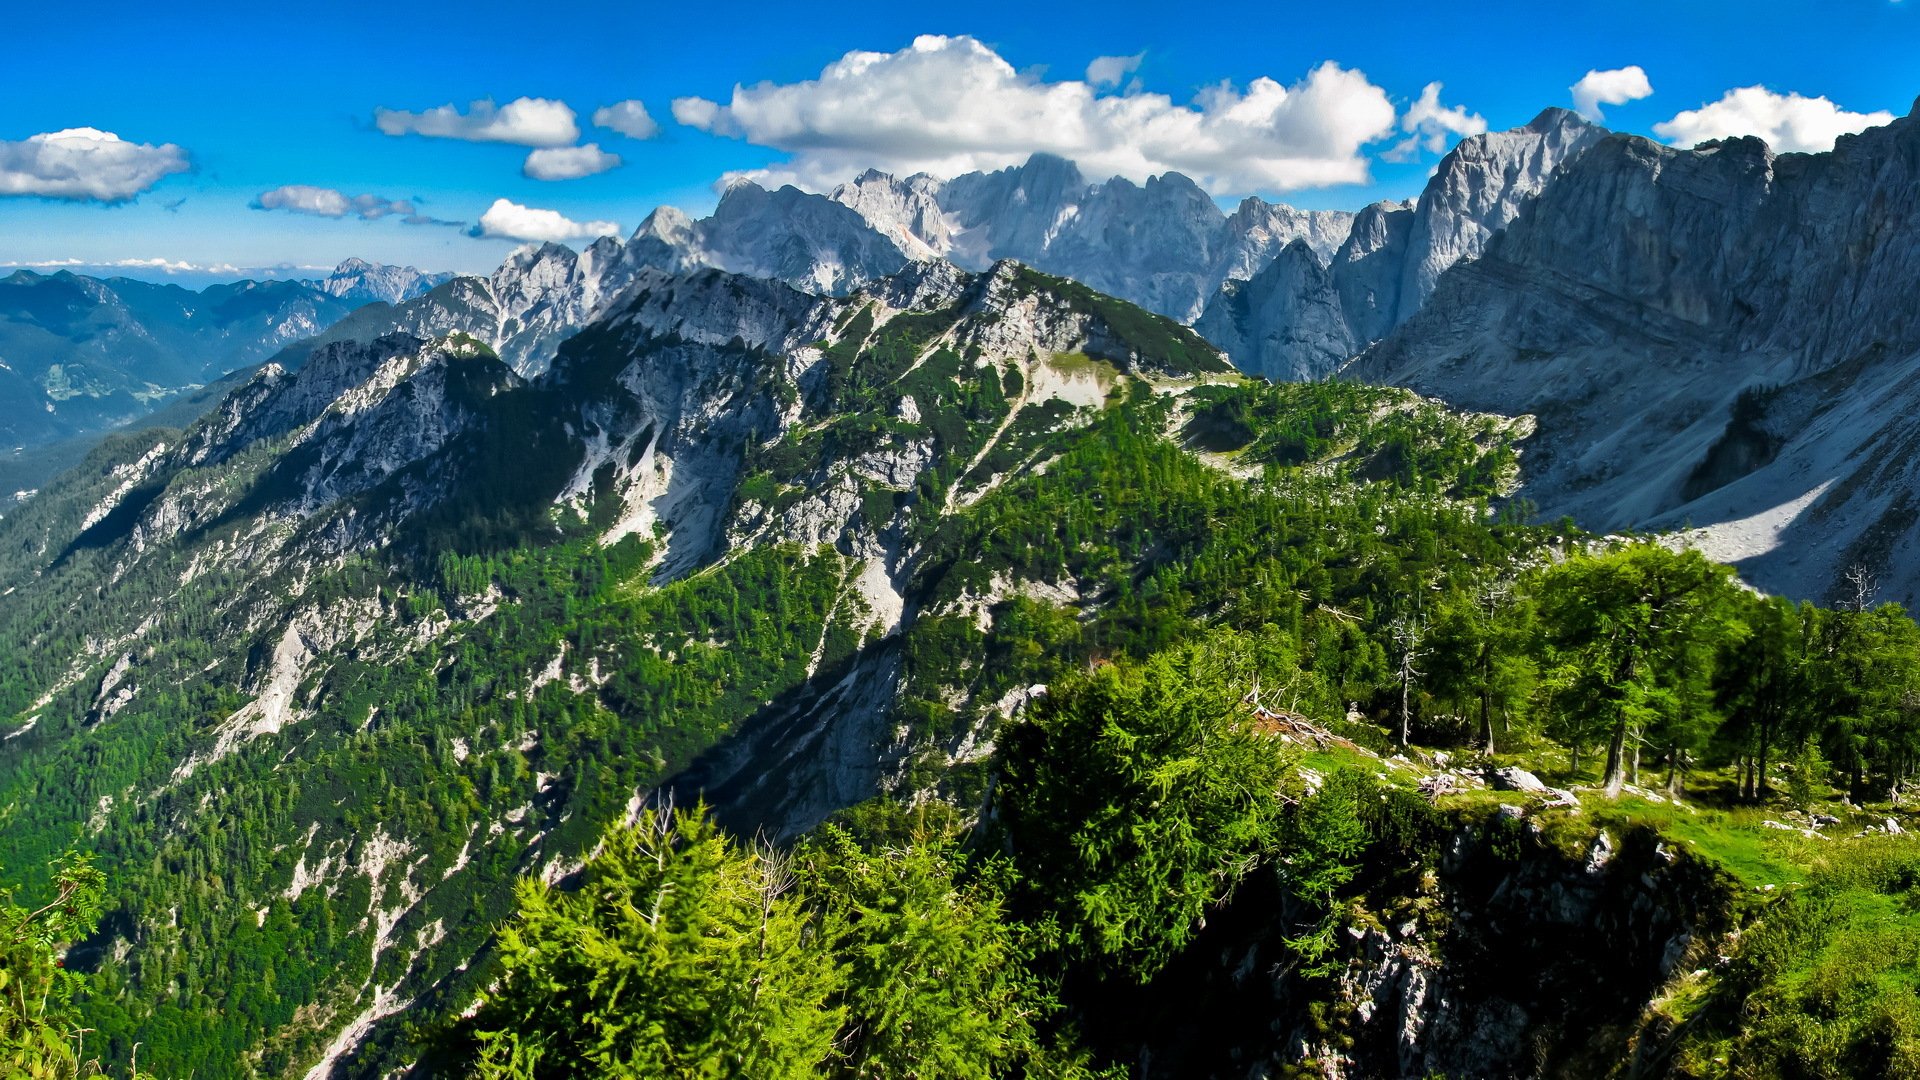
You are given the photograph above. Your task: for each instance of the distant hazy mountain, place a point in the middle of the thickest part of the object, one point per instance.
(360, 282)
(82, 355)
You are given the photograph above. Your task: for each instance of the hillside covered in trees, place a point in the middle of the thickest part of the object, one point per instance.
(970, 677)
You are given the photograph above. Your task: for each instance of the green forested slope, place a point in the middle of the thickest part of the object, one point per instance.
(324, 680)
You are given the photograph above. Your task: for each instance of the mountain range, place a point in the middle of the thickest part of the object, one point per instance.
(82, 355)
(1286, 294)
(798, 504)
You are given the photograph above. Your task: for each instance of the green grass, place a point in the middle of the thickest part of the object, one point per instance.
(1733, 839)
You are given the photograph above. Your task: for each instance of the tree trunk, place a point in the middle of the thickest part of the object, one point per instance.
(1486, 719)
(1616, 774)
(1406, 694)
(1633, 774)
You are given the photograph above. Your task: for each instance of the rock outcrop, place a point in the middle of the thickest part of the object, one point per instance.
(1285, 323)
(1719, 338)
(1392, 254)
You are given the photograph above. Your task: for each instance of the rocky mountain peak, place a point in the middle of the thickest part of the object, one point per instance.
(1285, 323)
(358, 281)
(1715, 336)
(1554, 117)
(668, 223)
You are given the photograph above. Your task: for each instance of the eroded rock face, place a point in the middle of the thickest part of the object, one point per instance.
(1393, 253)
(1716, 337)
(1285, 323)
(1505, 954)
(1163, 245)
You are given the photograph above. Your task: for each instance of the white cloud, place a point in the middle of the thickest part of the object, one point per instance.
(568, 162)
(1614, 87)
(1113, 70)
(948, 105)
(1428, 124)
(328, 203)
(629, 118)
(523, 121)
(511, 221)
(162, 266)
(1788, 122)
(85, 163)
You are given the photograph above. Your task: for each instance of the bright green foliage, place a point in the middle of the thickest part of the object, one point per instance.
(1827, 982)
(1136, 797)
(685, 954)
(1868, 688)
(680, 957)
(1325, 833)
(1480, 653)
(41, 1036)
(1768, 690)
(1633, 635)
(934, 979)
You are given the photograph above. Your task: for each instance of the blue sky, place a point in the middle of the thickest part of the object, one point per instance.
(260, 96)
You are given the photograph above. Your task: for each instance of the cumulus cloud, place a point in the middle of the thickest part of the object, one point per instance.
(1788, 122)
(523, 122)
(1428, 125)
(85, 163)
(510, 221)
(329, 203)
(948, 105)
(629, 118)
(568, 162)
(1613, 87)
(1113, 70)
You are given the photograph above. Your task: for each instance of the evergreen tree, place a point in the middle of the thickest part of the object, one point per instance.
(1633, 635)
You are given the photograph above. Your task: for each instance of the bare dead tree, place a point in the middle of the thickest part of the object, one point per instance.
(1407, 635)
(1864, 586)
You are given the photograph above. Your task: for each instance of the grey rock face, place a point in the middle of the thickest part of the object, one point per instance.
(358, 281)
(1392, 254)
(1717, 337)
(1283, 324)
(1163, 245)
(1480, 187)
(786, 235)
(543, 294)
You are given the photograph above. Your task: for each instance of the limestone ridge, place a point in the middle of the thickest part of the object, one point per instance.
(1719, 337)
(358, 281)
(644, 427)
(1163, 245)
(1285, 323)
(1393, 254)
